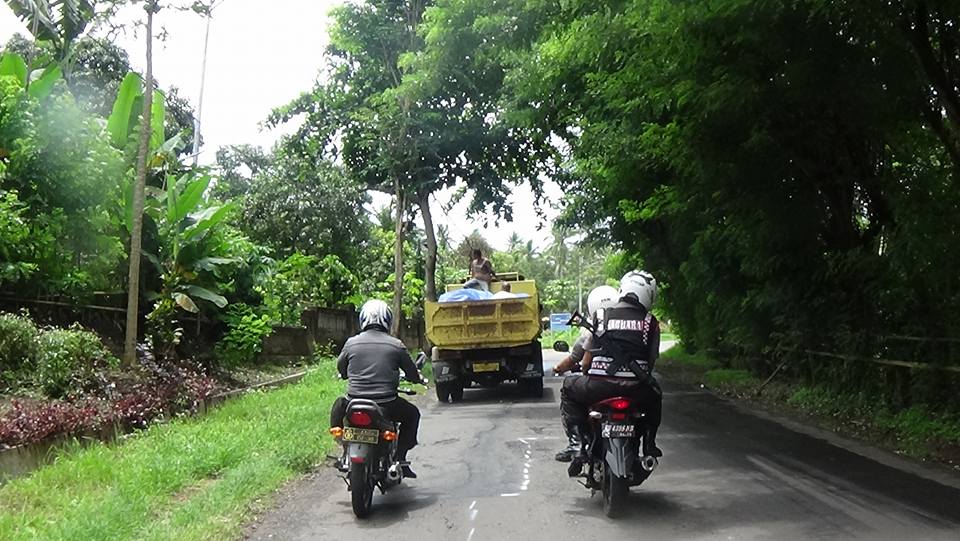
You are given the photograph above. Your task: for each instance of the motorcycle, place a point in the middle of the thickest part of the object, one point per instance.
(369, 458)
(612, 446)
(612, 450)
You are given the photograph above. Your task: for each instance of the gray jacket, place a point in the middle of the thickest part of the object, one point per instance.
(372, 361)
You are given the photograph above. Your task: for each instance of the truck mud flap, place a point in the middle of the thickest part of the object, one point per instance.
(444, 371)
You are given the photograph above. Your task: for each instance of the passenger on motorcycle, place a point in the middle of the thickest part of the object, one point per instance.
(372, 361)
(635, 332)
(599, 297)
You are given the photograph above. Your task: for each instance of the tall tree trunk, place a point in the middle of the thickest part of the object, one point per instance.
(398, 261)
(139, 186)
(430, 273)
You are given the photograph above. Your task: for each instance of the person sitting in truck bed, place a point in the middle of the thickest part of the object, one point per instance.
(481, 269)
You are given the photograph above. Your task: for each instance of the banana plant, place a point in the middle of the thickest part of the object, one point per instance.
(37, 79)
(59, 22)
(191, 258)
(125, 116)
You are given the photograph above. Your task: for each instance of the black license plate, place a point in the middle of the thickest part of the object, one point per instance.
(618, 430)
(361, 435)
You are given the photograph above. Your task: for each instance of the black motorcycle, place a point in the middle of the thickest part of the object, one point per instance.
(612, 444)
(612, 450)
(369, 460)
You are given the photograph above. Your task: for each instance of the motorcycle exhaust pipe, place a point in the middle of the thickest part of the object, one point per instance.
(393, 474)
(649, 463)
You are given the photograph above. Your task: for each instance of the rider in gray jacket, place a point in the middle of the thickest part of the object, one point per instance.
(372, 361)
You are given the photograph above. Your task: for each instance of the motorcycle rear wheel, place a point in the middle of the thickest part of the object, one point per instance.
(361, 490)
(615, 491)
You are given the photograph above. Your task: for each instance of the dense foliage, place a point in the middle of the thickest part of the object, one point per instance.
(787, 169)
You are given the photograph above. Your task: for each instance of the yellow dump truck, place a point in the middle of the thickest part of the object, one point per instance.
(487, 342)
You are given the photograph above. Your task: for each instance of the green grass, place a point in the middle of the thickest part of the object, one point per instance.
(917, 431)
(679, 355)
(727, 376)
(193, 478)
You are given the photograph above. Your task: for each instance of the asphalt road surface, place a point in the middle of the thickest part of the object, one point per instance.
(486, 472)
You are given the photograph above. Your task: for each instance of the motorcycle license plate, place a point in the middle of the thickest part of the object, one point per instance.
(618, 430)
(361, 435)
(486, 367)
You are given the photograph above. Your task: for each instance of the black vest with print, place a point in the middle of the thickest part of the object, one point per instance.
(631, 328)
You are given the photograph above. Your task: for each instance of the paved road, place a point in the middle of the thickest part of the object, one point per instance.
(487, 473)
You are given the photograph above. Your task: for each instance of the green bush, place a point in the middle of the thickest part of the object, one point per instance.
(18, 344)
(68, 360)
(244, 338)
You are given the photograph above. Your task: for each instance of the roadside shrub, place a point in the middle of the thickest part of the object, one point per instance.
(244, 338)
(69, 360)
(25, 423)
(18, 344)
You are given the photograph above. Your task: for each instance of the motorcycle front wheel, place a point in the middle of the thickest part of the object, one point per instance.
(361, 490)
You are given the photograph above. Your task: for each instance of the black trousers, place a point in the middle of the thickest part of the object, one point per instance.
(581, 391)
(397, 410)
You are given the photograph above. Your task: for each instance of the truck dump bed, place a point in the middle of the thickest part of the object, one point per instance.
(491, 323)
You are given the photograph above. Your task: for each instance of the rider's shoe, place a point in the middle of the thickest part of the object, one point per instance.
(407, 472)
(650, 444)
(567, 454)
(652, 450)
(575, 469)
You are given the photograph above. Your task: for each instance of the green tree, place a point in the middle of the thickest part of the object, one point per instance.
(54, 158)
(292, 205)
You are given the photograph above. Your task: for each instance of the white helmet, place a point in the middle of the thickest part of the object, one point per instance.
(640, 284)
(601, 297)
(375, 312)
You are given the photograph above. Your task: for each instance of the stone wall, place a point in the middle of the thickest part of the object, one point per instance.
(333, 326)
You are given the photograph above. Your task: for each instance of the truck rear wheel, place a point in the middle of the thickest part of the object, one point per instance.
(456, 391)
(532, 387)
(443, 392)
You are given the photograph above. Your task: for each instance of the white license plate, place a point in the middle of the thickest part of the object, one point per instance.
(361, 435)
(618, 430)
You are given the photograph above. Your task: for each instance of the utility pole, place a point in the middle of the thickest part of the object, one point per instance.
(203, 80)
(579, 282)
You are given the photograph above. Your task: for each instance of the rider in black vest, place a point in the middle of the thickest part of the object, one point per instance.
(635, 333)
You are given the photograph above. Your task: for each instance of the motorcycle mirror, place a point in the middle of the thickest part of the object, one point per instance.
(576, 320)
(561, 346)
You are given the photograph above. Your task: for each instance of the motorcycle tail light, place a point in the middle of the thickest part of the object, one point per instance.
(618, 416)
(357, 459)
(336, 432)
(620, 404)
(389, 436)
(360, 418)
